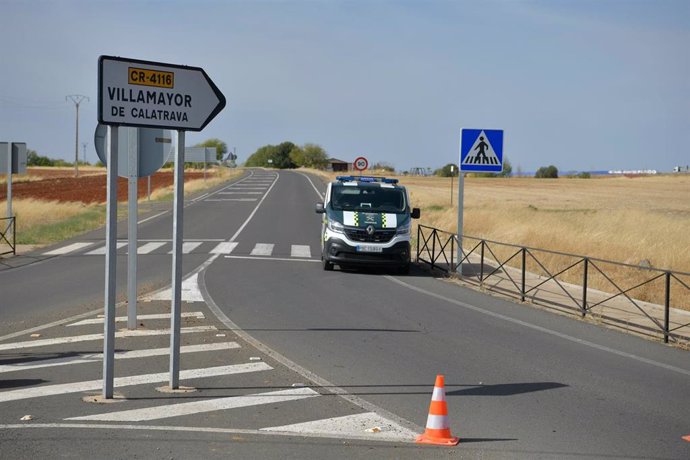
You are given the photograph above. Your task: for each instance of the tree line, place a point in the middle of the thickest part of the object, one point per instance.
(287, 155)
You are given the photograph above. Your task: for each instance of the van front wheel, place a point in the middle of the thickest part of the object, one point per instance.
(328, 266)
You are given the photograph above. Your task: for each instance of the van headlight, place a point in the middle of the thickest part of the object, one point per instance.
(336, 226)
(403, 229)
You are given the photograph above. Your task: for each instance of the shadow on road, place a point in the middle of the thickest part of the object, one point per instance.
(16, 383)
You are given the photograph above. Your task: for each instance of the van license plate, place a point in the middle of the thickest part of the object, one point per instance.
(369, 248)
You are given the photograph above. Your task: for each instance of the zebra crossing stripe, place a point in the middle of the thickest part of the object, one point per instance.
(224, 248)
(198, 407)
(262, 249)
(298, 250)
(89, 337)
(240, 193)
(98, 357)
(90, 385)
(150, 247)
(122, 319)
(101, 251)
(189, 247)
(67, 249)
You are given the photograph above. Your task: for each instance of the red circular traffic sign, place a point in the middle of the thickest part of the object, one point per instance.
(360, 164)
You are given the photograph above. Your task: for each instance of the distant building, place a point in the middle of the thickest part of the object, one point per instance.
(336, 165)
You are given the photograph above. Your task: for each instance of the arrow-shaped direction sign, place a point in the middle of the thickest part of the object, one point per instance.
(155, 95)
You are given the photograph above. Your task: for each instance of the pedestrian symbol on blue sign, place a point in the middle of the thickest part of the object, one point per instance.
(481, 150)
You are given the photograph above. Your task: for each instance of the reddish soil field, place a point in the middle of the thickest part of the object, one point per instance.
(89, 187)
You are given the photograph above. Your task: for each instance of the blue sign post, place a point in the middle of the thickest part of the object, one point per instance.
(481, 150)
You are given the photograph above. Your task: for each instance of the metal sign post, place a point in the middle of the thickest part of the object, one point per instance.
(137, 93)
(110, 266)
(461, 199)
(481, 150)
(452, 172)
(132, 214)
(9, 181)
(175, 308)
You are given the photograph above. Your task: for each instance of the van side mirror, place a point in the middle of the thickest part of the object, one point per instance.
(415, 213)
(319, 208)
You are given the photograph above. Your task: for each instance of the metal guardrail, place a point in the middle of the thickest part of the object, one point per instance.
(5, 228)
(436, 248)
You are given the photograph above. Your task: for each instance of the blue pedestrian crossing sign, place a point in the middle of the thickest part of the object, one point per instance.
(481, 150)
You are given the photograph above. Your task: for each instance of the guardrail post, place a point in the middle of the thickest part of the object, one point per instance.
(14, 235)
(584, 287)
(433, 248)
(481, 264)
(524, 269)
(419, 232)
(667, 306)
(452, 250)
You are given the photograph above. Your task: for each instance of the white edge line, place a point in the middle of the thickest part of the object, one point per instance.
(323, 383)
(312, 184)
(567, 337)
(152, 217)
(258, 205)
(106, 426)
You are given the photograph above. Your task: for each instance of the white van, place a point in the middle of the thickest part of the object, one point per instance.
(366, 222)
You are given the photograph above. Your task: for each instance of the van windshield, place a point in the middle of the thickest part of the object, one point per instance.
(367, 198)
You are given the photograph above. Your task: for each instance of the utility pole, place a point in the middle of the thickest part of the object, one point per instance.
(84, 144)
(77, 99)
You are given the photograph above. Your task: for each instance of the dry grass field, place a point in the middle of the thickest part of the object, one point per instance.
(618, 218)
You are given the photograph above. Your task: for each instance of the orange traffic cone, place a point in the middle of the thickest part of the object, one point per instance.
(437, 430)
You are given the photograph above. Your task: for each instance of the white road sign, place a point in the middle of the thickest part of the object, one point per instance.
(156, 95)
(361, 163)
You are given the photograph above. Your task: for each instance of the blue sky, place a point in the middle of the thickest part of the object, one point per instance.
(579, 84)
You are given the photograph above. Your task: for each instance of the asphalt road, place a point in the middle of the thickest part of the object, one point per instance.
(520, 382)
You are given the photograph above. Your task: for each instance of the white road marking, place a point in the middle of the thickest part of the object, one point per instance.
(142, 240)
(240, 193)
(189, 289)
(101, 251)
(149, 247)
(151, 218)
(189, 247)
(198, 407)
(122, 319)
(351, 425)
(231, 199)
(89, 337)
(281, 259)
(224, 248)
(298, 250)
(98, 357)
(313, 186)
(262, 249)
(538, 328)
(256, 208)
(67, 249)
(111, 427)
(90, 385)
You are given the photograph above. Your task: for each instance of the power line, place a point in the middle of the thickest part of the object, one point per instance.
(77, 99)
